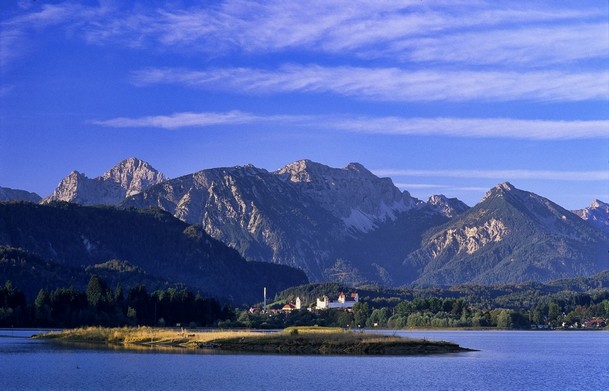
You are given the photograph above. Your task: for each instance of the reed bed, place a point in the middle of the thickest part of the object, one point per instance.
(143, 335)
(293, 340)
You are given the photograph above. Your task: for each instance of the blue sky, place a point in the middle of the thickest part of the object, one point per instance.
(449, 97)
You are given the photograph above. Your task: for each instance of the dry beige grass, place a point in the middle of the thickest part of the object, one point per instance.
(144, 335)
(301, 340)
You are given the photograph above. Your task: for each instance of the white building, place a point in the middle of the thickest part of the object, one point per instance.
(343, 302)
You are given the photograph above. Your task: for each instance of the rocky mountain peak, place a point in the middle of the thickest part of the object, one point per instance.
(504, 187)
(131, 176)
(513, 236)
(596, 204)
(500, 190)
(356, 167)
(353, 194)
(448, 207)
(597, 214)
(303, 171)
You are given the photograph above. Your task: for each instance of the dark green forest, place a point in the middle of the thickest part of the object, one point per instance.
(61, 245)
(100, 305)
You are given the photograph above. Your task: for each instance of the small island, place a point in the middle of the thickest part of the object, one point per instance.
(293, 340)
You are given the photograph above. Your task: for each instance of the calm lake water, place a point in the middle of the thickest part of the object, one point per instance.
(507, 360)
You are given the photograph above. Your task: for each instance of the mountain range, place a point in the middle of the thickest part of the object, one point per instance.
(350, 226)
(510, 236)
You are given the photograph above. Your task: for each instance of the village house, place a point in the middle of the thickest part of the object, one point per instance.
(289, 307)
(594, 323)
(343, 302)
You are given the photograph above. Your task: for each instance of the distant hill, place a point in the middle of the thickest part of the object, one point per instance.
(155, 244)
(8, 194)
(31, 273)
(511, 236)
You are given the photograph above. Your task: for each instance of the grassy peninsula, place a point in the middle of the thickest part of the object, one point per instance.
(293, 340)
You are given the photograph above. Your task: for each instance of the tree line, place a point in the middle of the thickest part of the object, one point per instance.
(100, 305)
(523, 310)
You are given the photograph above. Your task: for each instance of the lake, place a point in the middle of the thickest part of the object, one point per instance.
(507, 360)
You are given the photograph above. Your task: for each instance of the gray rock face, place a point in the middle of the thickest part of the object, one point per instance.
(8, 194)
(511, 236)
(305, 214)
(333, 223)
(251, 210)
(597, 214)
(449, 207)
(353, 194)
(129, 177)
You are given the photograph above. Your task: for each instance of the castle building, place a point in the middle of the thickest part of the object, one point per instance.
(343, 302)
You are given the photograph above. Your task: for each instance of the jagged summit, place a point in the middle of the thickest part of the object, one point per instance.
(133, 175)
(129, 177)
(596, 214)
(501, 190)
(507, 186)
(502, 187)
(353, 194)
(598, 204)
(448, 207)
(302, 170)
(358, 168)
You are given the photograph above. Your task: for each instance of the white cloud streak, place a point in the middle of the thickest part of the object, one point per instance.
(16, 32)
(391, 84)
(576, 176)
(178, 120)
(440, 32)
(199, 120)
(469, 32)
(399, 126)
(477, 127)
(532, 46)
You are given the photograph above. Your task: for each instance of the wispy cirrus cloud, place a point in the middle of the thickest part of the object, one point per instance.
(17, 28)
(531, 46)
(577, 176)
(200, 120)
(178, 120)
(477, 127)
(399, 126)
(391, 84)
(471, 32)
(441, 32)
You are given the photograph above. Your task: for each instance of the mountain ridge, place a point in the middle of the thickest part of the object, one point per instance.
(306, 215)
(510, 236)
(9, 194)
(348, 225)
